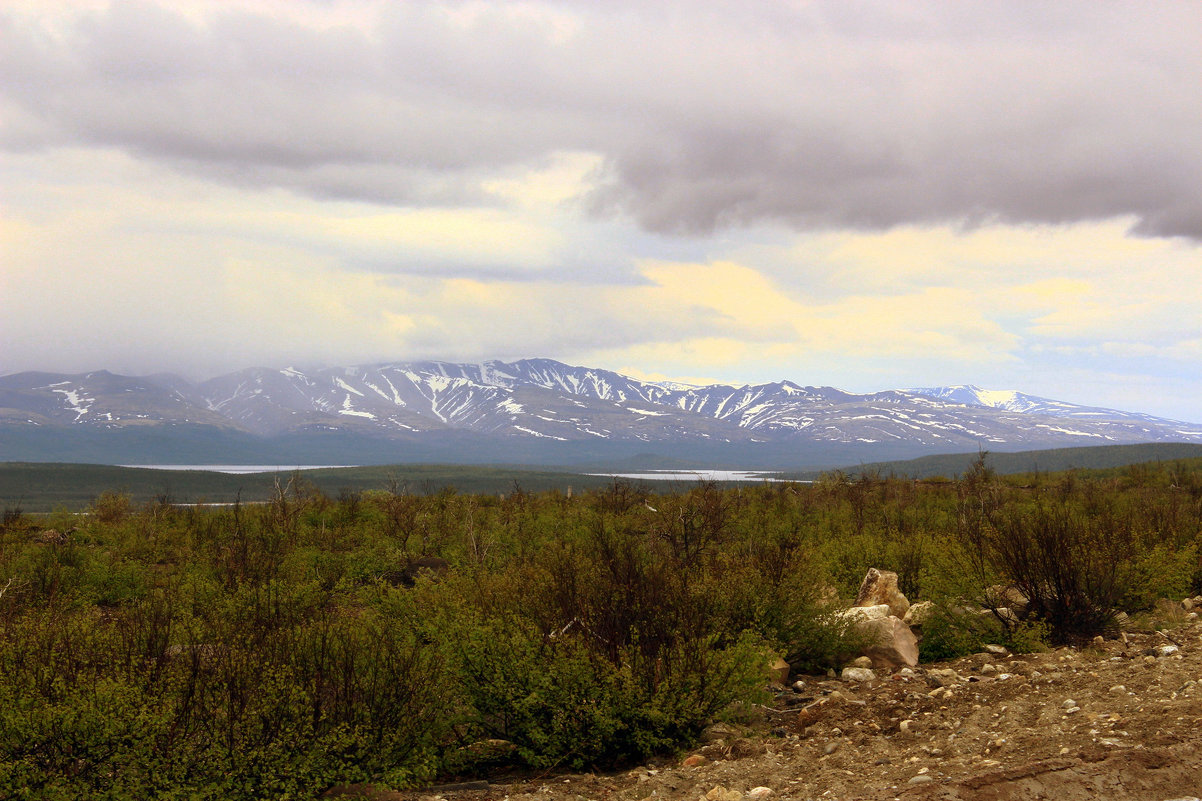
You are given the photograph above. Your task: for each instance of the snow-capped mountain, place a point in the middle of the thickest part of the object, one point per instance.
(541, 400)
(1014, 401)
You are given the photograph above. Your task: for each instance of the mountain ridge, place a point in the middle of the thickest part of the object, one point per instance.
(539, 403)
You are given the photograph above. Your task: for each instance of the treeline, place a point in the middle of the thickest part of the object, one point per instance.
(275, 650)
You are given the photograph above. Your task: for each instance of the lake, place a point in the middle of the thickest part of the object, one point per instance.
(238, 469)
(693, 475)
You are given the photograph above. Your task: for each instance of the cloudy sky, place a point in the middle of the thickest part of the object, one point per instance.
(859, 194)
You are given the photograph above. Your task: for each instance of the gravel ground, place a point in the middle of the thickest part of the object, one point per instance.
(1120, 720)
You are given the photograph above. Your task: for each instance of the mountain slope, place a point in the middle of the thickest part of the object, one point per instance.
(549, 407)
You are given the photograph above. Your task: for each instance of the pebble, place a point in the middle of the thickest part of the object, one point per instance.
(759, 792)
(922, 778)
(1167, 650)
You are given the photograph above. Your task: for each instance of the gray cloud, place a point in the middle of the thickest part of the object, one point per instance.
(709, 115)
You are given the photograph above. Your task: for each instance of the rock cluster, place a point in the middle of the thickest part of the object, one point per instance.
(878, 614)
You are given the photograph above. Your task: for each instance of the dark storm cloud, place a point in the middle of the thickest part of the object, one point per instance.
(827, 114)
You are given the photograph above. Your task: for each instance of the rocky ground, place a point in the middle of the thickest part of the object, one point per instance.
(1118, 720)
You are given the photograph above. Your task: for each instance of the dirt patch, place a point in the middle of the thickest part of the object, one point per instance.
(1120, 721)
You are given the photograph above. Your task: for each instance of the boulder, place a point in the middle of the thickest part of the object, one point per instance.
(862, 614)
(880, 587)
(919, 613)
(778, 671)
(894, 644)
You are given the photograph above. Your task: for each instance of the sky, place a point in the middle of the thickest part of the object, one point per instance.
(867, 195)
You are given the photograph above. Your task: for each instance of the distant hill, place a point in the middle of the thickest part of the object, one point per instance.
(1043, 461)
(42, 487)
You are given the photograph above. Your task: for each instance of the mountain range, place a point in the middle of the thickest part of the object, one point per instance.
(536, 411)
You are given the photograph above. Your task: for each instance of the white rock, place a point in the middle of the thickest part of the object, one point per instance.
(1167, 650)
(895, 644)
(919, 613)
(858, 674)
(759, 792)
(880, 587)
(861, 614)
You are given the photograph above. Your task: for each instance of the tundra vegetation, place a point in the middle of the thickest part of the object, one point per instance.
(275, 650)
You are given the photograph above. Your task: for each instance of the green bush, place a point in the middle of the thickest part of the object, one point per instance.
(264, 651)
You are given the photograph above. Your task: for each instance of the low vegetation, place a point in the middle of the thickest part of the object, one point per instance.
(273, 650)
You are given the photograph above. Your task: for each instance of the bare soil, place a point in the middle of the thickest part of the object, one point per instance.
(1120, 721)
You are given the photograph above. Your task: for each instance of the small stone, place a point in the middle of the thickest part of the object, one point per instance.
(1167, 650)
(906, 727)
(720, 793)
(922, 778)
(943, 677)
(858, 674)
(1072, 710)
(988, 669)
(1068, 704)
(1118, 688)
(831, 747)
(693, 760)
(996, 650)
(861, 662)
(1099, 642)
(759, 792)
